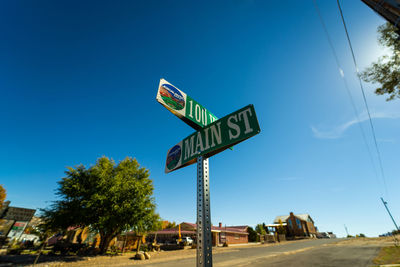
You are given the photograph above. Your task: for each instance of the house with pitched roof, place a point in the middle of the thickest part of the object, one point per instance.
(298, 225)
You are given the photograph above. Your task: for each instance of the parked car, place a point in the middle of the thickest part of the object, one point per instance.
(186, 241)
(323, 235)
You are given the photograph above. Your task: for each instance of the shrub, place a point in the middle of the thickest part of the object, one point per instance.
(88, 251)
(114, 250)
(15, 248)
(28, 244)
(144, 248)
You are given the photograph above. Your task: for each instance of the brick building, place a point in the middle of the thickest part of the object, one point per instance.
(298, 225)
(230, 234)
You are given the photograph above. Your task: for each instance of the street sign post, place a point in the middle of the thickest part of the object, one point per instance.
(204, 236)
(214, 138)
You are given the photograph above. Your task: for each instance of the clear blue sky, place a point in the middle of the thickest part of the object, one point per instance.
(78, 80)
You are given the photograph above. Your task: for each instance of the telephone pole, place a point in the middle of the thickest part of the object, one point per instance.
(345, 228)
(385, 204)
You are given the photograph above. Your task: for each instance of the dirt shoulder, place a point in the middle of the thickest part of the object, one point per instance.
(121, 260)
(372, 241)
(163, 256)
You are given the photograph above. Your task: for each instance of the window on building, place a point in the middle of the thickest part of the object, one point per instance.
(298, 223)
(290, 223)
(236, 236)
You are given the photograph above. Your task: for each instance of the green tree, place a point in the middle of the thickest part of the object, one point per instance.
(386, 71)
(281, 229)
(260, 229)
(170, 225)
(252, 234)
(107, 197)
(395, 232)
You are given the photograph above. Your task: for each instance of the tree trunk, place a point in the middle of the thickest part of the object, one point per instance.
(105, 240)
(155, 238)
(41, 248)
(139, 243)
(123, 246)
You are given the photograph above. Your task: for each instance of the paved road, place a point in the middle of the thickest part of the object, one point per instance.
(302, 253)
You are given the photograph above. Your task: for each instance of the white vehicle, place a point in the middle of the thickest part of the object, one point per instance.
(185, 240)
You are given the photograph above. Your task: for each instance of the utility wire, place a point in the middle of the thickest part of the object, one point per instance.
(346, 86)
(364, 98)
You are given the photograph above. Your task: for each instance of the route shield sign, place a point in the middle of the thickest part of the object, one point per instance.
(214, 138)
(183, 106)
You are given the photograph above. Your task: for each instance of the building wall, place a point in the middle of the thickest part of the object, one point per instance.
(232, 238)
(307, 228)
(293, 226)
(311, 228)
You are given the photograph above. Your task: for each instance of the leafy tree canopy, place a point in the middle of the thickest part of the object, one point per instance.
(253, 237)
(260, 229)
(386, 71)
(170, 225)
(107, 197)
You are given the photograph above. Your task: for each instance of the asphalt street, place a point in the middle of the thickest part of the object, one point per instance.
(320, 252)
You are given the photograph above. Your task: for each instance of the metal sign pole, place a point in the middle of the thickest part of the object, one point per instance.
(204, 237)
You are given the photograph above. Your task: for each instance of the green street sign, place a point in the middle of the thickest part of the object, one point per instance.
(214, 138)
(183, 106)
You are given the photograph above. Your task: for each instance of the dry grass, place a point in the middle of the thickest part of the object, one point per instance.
(379, 241)
(388, 255)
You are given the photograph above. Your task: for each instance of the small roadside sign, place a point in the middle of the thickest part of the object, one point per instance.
(183, 106)
(214, 138)
(19, 226)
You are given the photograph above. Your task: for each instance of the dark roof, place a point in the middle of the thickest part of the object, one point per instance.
(239, 227)
(173, 232)
(303, 217)
(228, 229)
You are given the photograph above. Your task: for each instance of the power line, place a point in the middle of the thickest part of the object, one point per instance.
(364, 98)
(346, 86)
